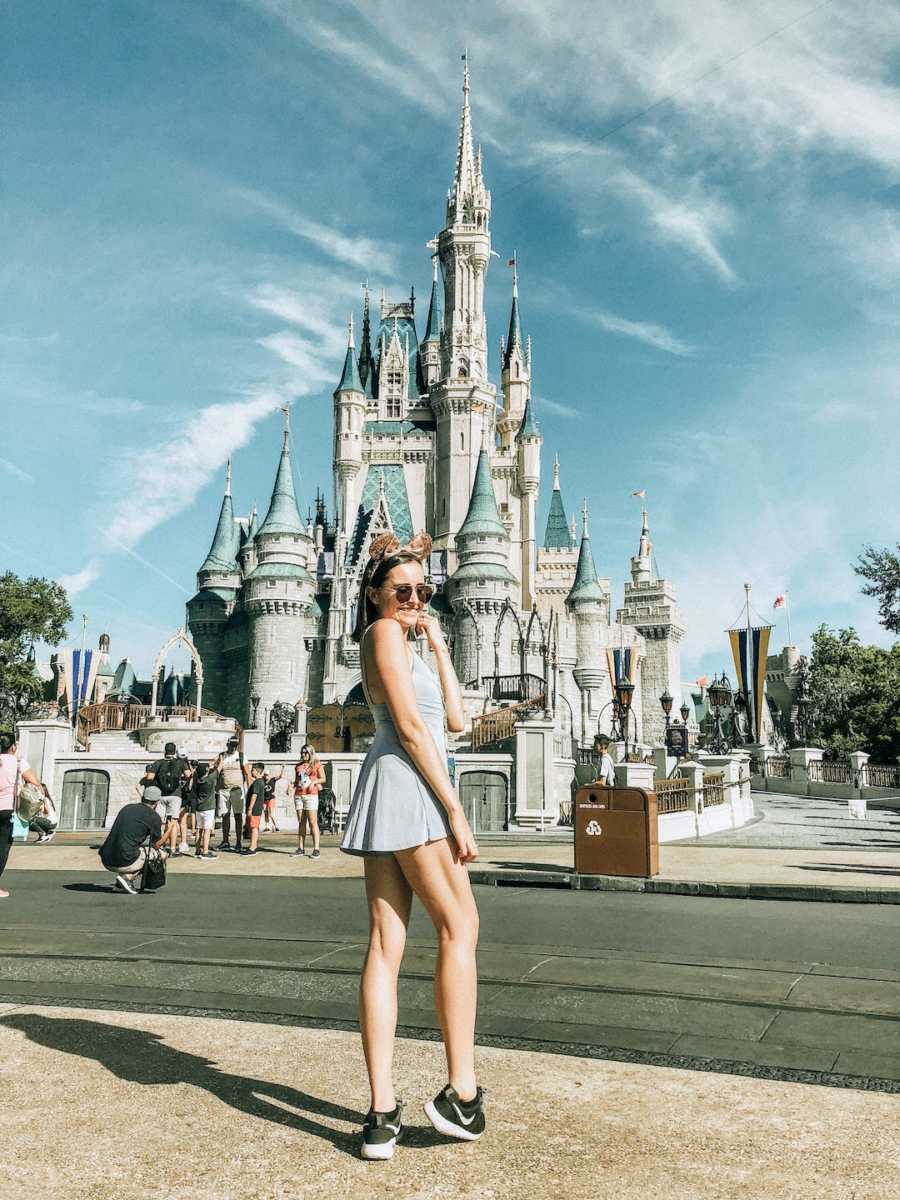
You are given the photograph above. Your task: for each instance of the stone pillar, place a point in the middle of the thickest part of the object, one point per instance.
(41, 742)
(663, 762)
(693, 772)
(801, 757)
(535, 794)
(635, 775)
(858, 760)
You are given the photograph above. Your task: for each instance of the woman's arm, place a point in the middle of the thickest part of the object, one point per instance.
(30, 777)
(390, 661)
(453, 706)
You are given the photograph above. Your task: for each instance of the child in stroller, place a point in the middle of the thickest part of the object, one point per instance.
(327, 811)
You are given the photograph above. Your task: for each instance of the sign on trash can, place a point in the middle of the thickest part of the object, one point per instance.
(616, 831)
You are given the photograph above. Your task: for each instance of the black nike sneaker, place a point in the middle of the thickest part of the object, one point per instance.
(457, 1118)
(381, 1132)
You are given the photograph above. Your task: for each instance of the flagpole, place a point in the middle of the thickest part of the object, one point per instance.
(748, 667)
(787, 613)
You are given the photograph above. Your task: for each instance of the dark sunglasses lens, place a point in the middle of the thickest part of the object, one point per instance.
(424, 591)
(403, 593)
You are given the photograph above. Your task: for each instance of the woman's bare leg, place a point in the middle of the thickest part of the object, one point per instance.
(314, 829)
(442, 884)
(389, 898)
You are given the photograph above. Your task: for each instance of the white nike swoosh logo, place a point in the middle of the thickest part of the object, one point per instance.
(392, 1128)
(461, 1117)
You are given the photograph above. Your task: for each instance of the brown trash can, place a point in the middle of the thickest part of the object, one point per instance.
(616, 831)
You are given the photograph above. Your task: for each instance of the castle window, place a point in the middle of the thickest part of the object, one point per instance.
(462, 441)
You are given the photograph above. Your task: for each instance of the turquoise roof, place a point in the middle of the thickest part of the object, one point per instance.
(483, 570)
(223, 551)
(435, 312)
(557, 536)
(528, 428)
(283, 515)
(220, 593)
(394, 427)
(586, 585)
(280, 570)
(482, 516)
(350, 381)
(397, 499)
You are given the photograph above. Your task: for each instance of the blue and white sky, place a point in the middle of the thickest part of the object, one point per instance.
(194, 193)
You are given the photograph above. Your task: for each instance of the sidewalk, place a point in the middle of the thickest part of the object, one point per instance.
(194, 1108)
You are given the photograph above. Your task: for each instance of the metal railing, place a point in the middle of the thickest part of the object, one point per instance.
(111, 717)
(828, 772)
(878, 775)
(499, 724)
(510, 687)
(778, 767)
(713, 788)
(672, 795)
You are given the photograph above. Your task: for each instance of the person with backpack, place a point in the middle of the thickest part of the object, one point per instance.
(167, 774)
(136, 827)
(13, 772)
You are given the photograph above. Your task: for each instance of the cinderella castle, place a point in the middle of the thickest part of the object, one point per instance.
(422, 440)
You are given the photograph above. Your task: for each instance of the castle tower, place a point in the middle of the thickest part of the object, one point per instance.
(431, 344)
(651, 609)
(278, 594)
(462, 399)
(528, 479)
(589, 605)
(515, 372)
(557, 559)
(367, 372)
(349, 417)
(218, 581)
(482, 582)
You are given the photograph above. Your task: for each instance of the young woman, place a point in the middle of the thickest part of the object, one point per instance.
(13, 772)
(407, 822)
(309, 776)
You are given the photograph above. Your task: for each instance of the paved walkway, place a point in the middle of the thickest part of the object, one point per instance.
(810, 846)
(105, 1104)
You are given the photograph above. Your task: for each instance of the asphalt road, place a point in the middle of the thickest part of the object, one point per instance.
(790, 990)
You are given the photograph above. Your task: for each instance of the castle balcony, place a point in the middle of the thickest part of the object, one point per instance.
(518, 688)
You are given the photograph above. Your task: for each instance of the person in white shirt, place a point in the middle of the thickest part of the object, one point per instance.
(606, 768)
(13, 772)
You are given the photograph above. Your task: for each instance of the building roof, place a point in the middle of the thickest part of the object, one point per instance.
(557, 535)
(482, 516)
(483, 570)
(283, 515)
(280, 570)
(529, 427)
(395, 427)
(222, 554)
(350, 380)
(586, 585)
(397, 501)
(435, 309)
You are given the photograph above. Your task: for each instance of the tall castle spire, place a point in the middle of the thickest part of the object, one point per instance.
(557, 535)
(283, 515)
(366, 361)
(587, 584)
(465, 177)
(350, 380)
(223, 551)
(514, 337)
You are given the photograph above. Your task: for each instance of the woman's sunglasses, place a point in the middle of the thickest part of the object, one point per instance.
(424, 592)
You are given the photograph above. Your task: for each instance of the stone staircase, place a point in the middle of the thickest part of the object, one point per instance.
(116, 743)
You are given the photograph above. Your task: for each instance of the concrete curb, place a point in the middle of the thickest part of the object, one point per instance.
(565, 878)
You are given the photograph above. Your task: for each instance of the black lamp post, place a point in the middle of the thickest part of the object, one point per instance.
(624, 693)
(254, 700)
(719, 695)
(667, 700)
(685, 744)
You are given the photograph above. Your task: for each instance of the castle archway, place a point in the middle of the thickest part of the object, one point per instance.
(179, 638)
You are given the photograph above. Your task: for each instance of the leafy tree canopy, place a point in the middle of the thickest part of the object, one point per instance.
(31, 610)
(881, 571)
(855, 695)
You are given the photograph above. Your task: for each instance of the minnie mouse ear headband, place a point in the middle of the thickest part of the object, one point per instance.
(387, 545)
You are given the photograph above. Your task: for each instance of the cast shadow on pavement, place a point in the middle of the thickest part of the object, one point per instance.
(847, 868)
(140, 1057)
(108, 888)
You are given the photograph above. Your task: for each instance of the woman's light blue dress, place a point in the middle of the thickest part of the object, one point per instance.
(393, 808)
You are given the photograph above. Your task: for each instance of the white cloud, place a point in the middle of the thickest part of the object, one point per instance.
(300, 310)
(79, 581)
(362, 252)
(566, 411)
(649, 332)
(15, 471)
(192, 456)
(111, 406)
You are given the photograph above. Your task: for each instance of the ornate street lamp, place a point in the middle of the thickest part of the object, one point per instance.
(719, 695)
(254, 700)
(667, 700)
(624, 693)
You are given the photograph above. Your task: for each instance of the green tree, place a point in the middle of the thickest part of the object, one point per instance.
(31, 610)
(281, 726)
(855, 695)
(881, 571)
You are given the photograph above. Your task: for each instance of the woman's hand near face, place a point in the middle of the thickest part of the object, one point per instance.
(428, 624)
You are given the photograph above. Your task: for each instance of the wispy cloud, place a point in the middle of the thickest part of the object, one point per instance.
(145, 562)
(192, 456)
(80, 581)
(649, 332)
(111, 406)
(360, 252)
(16, 472)
(566, 411)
